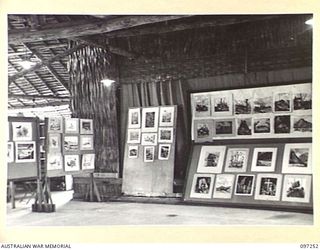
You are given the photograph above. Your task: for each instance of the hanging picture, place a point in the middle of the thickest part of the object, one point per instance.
(166, 135)
(54, 142)
(149, 138)
(242, 102)
(301, 124)
(134, 119)
(237, 159)
(87, 161)
(54, 161)
(86, 142)
(71, 163)
(262, 101)
(134, 135)
(262, 125)
(10, 152)
(202, 186)
(222, 104)
(264, 159)
(268, 187)
(148, 155)
(166, 116)
(297, 158)
(282, 102)
(25, 152)
(21, 131)
(223, 187)
(243, 126)
(86, 126)
(296, 188)
(164, 151)
(201, 105)
(211, 159)
(244, 185)
(71, 125)
(224, 128)
(302, 97)
(133, 152)
(150, 117)
(55, 124)
(71, 143)
(282, 124)
(203, 130)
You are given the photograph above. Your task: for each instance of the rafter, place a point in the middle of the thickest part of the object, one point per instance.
(57, 103)
(38, 97)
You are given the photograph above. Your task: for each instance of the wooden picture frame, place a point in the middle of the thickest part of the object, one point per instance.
(88, 162)
(268, 187)
(134, 136)
(25, 152)
(134, 118)
(86, 142)
(71, 125)
(244, 185)
(296, 188)
(55, 124)
(297, 158)
(264, 159)
(71, 163)
(165, 135)
(211, 159)
(223, 187)
(10, 152)
(164, 151)
(86, 126)
(54, 161)
(237, 160)
(150, 119)
(202, 186)
(149, 154)
(22, 131)
(166, 116)
(150, 139)
(133, 151)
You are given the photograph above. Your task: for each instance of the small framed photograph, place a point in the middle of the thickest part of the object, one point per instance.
(71, 143)
(202, 186)
(224, 128)
(262, 125)
(301, 125)
(203, 130)
(166, 116)
(150, 119)
(25, 152)
(164, 151)
(88, 161)
(222, 104)
(282, 102)
(71, 163)
(166, 135)
(134, 118)
(55, 124)
(148, 155)
(302, 97)
(149, 139)
(268, 187)
(297, 158)
(244, 185)
(262, 101)
(21, 131)
(242, 102)
(54, 142)
(223, 187)
(264, 159)
(10, 152)
(211, 159)
(86, 126)
(244, 126)
(134, 135)
(86, 142)
(237, 159)
(54, 161)
(71, 125)
(133, 151)
(282, 124)
(201, 105)
(296, 188)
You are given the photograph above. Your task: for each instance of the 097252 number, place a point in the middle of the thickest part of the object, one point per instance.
(309, 246)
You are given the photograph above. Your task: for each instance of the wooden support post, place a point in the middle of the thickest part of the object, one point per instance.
(12, 194)
(92, 192)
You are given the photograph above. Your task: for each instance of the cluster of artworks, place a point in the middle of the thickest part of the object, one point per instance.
(154, 131)
(217, 177)
(280, 111)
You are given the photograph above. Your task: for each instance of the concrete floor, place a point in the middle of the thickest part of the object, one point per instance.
(127, 213)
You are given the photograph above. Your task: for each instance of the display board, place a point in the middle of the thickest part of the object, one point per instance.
(150, 151)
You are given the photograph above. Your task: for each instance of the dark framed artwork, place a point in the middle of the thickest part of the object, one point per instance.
(224, 128)
(244, 126)
(244, 185)
(282, 124)
(202, 186)
(268, 187)
(203, 130)
(86, 126)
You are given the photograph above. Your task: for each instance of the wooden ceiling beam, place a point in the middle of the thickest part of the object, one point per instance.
(57, 103)
(48, 97)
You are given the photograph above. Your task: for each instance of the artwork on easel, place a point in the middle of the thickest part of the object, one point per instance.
(134, 119)
(133, 151)
(166, 116)
(86, 142)
(55, 124)
(71, 163)
(268, 187)
(164, 151)
(86, 126)
(148, 155)
(10, 152)
(54, 142)
(88, 161)
(54, 161)
(71, 125)
(71, 143)
(21, 131)
(25, 152)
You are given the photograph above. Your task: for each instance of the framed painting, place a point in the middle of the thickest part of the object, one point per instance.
(244, 185)
(202, 186)
(54, 161)
(10, 152)
(149, 139)
(54, 142)
(203, 130)
(201, 105)
(244, 126)
(55, 124)
(268, 187)
(282, 124)
(133, 151)
(86, 126)
(134, 135)
(237, 159)
(223, 187)
(262, 101)
(71, 125)
(134, 118)
(224, 128)
(296, 188)
(211, 159)
(86, 142)
(301, 125)
(264, 159)
(222, 104)
(148, 155)
(302, 97)
(297, 158)
(71, 143)
(88, 161)
(25, 152)
(71, 163)
(150, 119)
(164, 151)
(21, 131)
(165, 135)
(262, 125)
(166, 116)
(282, 102)
(242, 99)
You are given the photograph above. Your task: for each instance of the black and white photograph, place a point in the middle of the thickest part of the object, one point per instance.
(150, 119)
(71, 163)
(134, 135)
(88, 161)
(55, 124)
(222, 104)
(223, 187)
(165, 135)
(268, 187)
(54, 161)
(21, 131)
(86, 142)
(71, 143)
(237, 160)
(25, 152)
(134, 118)
(148, 153)
(164, 151)
(10, 152)
(133, 151)
(166, 116)
(203, 130)
(149, 139)
(264, 159)
(202, 186)
(86, 126)
(201, 105)
(224, 128)
(296, 188)
(244, 185)
(211, 159)
(71, 125)
(297, 158)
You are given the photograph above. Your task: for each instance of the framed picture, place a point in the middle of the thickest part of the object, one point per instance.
(10, 152)
(134, 118)
(150, 119)
(149, 139)
(296, 188)
(211, 159)
(201, 105)
(86, 142)
(164, 151)
(264, 159)
(242, 102)
(262, 101)
(55, 124)
(54, 161)
(133, 152)
(268, 187)
(71, 143)
(54, 142)
(71, 125)
(148, 155)
(244, 185)
(223, 187)
(203, 130)
(134, 135)
(302, 97)
(237, 159)
(166, 116)
(222, 104)
(297, 158)
(282, 124)
(71, 163)
(87, 161)
(301, 125)
(166, 135)
(282, 102)
(262, 125)
(224, 128)
(244, 126)
(86, 126)
(21, 131)
(202, 186)
(25, 152)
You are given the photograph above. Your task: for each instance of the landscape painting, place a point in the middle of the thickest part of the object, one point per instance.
(25, 152)
(55, 124)
(222, 104)
(166, 116)
(244, 126)
(268, 187)
(244, 185)
(202, 186)
(296, 188)
(262, 125)
(297, 158)
(282, 124)
(225, 127)
(201, 105)
(211, 159)
(302, 97)
(243, 102)
(262, 101)
(264, 159)
(282, 102)
(301, 124)
(203, 130)
(134, 135)
(71, 143)
(223, 187)
(237, 159)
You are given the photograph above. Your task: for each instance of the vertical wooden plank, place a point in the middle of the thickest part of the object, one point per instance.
(12, 194)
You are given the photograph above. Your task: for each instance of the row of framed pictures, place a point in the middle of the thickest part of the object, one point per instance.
(68, 163)
(164, 135)
(296, 159)
(21, 152)
(149, 152)
(295, 188)
(71, 143)
(70, 125)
